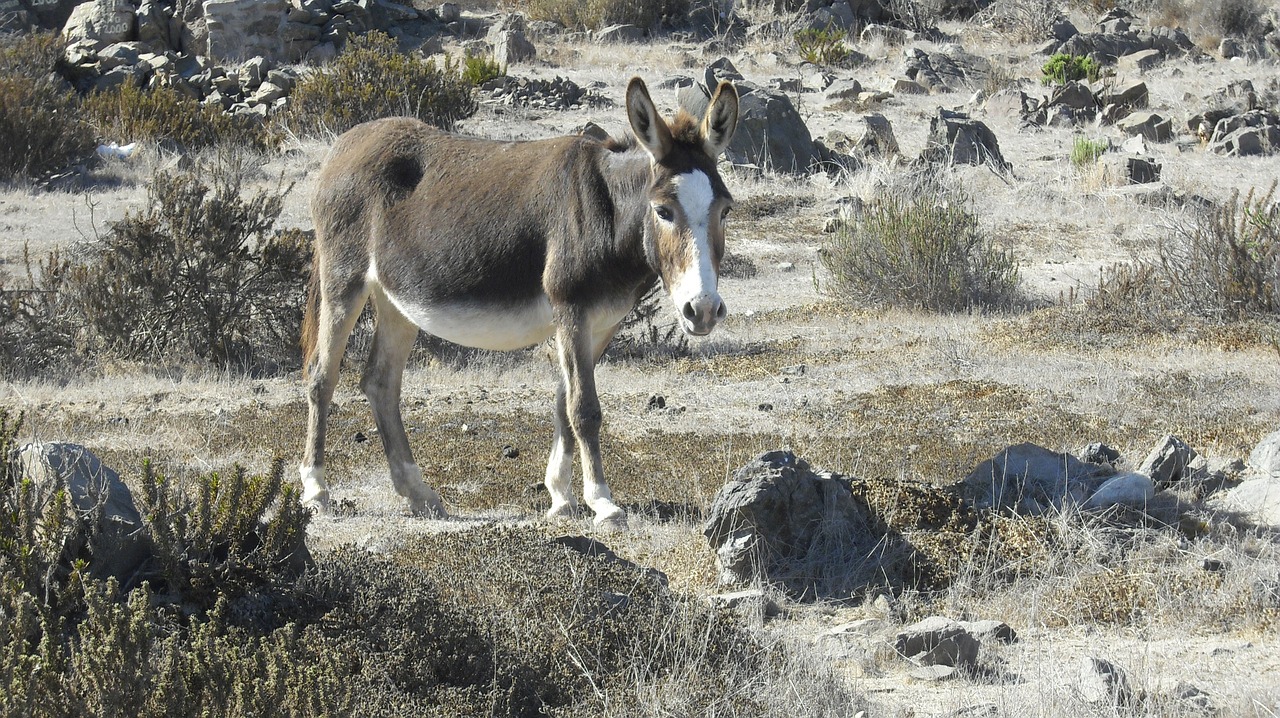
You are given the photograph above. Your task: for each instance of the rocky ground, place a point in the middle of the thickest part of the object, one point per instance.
(880, 395)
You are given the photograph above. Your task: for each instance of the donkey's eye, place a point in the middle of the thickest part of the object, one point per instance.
(724, 215)
(664, 213)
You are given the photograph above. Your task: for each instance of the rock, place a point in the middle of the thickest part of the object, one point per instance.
(903, 86)
(843, 90)
(817, 81)
(1100, 454)
(955, 139)
(153, 26)
(1128, 169)
(1076, 97)
(1140, 61)
(449, 12)
(242, 29)
(512, 46)
(620, 33)
(778, 520)
(1102, 44)
(268, 93)
(877, 139)
(1259, 499)
(937, 641)
(1265, 457)
(884, 33)
(1129, 489)
(1103, 684)
(1230, 47)
(751, 600)
(1148, 124)
(1172, 42)
(254, 71)
(770, 131)
(1167, 462)
(109, 527)
(1062, 29)
(1009, 102)
(106, 21)
(862, 628)
(1030, 479)
(1128, 94)
(120, 54)
(990, 631)
(950, 69)
(1247, 141)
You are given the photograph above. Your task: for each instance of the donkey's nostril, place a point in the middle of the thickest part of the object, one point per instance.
(689, 312)
(721, 311)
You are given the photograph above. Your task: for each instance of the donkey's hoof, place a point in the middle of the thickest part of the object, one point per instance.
(317, 503)
(565, 510)
(428, 508)
(612, 521)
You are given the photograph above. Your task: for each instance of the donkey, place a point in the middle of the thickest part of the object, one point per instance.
(501, 245)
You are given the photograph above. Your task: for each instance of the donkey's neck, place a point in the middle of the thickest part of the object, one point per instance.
(628, 174)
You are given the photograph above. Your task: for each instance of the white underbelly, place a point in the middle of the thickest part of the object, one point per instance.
(498, 327)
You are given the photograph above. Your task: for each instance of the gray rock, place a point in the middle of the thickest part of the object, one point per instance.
(950, 69)
(1062, 29)
(903, 86)
(1265, 457)
(449, 12)
(1030, 479)
(242, 29)
(109, 527)
(771, 134)
(1128, 169)
(1100, 454)
(1129, 489)
(1103, 684)
(843, 90)
(1231, 47)
(955, 139)
(1074, 95)
(751, 600)
(511, 46)
(990, 630)
(877, 139)
(778, 520)
(1102, 44)
(938, 641)
(1140, 61)
(1173, 42)
(106, 21)
(1167, 462)
(1150, 125)
(1246, 141)
(1127, 94)
(120, 53)
(620, 34)
(884, 33)
(1257, 498)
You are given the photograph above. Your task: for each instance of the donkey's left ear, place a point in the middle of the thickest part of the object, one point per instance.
(721, 119)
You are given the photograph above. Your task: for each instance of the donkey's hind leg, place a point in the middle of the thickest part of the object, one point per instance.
(392, 342)
(337, 315)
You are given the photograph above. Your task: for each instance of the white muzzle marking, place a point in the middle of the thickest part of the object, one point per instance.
(694, 291)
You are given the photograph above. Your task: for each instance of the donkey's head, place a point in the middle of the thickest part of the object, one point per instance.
(688, 202)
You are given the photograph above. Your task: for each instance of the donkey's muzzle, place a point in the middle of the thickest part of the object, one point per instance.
(699, 316)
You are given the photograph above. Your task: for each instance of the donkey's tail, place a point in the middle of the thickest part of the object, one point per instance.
(311, 316)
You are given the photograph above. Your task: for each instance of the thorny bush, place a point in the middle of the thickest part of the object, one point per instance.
(39, 121)
(202, 271)
(128, 113)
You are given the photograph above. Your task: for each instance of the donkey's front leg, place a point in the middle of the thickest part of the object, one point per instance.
(577, 364)
(560, 463)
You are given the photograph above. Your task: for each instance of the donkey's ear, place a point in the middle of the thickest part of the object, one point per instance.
(651, 130)
(721, 120)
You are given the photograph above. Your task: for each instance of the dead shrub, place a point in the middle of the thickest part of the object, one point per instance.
(1225, 263)
(650, 331)
(201, 272)
(596, 14)
(39, 320)
(920, 247)
(42, 130)
(128, 113)
(1020, 20)
(1236, 18)
(373, 79)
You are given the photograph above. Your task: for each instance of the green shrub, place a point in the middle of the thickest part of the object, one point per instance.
(822, 47)
(920, 248)
(479, 69)
(1085, 152)
(128, 113)
(42, 130)
(596, 14)
(1063, 68)
(373, 79)
(200, 272)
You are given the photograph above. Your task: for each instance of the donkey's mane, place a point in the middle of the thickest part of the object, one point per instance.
(685, 129)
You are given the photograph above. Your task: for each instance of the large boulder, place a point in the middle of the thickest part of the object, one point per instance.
(1032, 479)
(108, 528)
(240, 29)
(949, 70)
(938, 641)
(956, 139)
(779, 521)
(105, 21)
(771, 134)
(1265, 457)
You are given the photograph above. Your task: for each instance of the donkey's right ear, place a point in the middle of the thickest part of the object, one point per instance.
(651, 130)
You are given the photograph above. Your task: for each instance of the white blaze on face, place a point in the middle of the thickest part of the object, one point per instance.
(697, 284)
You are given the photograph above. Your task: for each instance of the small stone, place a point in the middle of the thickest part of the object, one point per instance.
(1168, 461)
(510, 452)
(359, 438)
(657, 401)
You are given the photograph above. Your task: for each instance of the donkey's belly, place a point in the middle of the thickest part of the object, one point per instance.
(496, 326)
